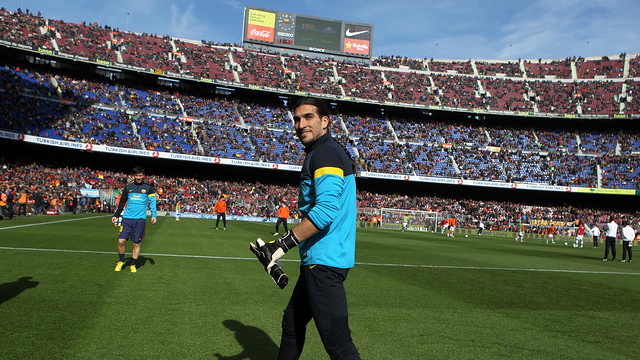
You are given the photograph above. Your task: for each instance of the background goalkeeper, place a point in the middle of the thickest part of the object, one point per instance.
(326, 237)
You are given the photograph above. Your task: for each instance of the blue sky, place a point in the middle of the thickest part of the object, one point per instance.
(445, 29)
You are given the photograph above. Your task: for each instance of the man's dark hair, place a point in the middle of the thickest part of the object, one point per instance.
(323, 110)
(138, 170)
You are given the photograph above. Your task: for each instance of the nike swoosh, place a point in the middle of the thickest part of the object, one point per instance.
(349, 33)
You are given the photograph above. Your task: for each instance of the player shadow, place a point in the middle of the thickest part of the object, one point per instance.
(256, 344)
(9, 290)
(142, 261)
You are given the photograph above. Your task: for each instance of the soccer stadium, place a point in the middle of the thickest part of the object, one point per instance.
(527, 156)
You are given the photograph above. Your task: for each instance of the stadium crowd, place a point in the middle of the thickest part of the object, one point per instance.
(55, 105)
(162, 120)
(58, 189)
(537, 87)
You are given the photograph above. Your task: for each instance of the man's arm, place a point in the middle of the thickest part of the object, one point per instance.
(152, 204)
(305, 230)
(123, 201)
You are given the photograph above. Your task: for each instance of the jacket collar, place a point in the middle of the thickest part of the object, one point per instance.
(321, 140)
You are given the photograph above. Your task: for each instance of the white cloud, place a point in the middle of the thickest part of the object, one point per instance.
(185, 22)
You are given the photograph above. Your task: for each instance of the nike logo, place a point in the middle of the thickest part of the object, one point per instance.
(349, 33)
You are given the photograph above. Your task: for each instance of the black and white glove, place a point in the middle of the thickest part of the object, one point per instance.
(269, 253)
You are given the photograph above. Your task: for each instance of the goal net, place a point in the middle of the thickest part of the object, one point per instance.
(417, 220)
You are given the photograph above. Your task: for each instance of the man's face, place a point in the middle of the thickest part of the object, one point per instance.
(308, 124)
(138, 178)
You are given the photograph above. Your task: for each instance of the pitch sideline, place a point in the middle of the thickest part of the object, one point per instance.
(53, 222)
(357, 263)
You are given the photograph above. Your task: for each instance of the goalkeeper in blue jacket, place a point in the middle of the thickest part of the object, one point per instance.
(326, 237)
(136, 198)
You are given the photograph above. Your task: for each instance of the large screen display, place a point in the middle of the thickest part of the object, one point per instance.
(288, 30)
(317, 33)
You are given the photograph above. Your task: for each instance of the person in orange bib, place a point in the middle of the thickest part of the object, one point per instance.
(550, 234)
(452, 226)
(221, 210)
(283, 216)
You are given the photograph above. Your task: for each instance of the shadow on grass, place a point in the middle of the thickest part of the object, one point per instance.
(10, 290)
(256, 344)
(142, 261)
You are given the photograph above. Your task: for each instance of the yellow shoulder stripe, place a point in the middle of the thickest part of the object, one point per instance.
(328, 171)
(152, 195)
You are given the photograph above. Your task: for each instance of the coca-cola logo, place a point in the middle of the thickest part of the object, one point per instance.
(261, 33)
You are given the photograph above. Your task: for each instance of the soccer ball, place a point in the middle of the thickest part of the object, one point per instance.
(466, 235)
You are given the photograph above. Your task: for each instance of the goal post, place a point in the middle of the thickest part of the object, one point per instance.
(418, 220)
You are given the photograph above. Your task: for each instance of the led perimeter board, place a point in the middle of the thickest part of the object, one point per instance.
(309, 33)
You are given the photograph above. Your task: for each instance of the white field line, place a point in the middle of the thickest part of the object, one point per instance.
(361, 264)
(52, 222)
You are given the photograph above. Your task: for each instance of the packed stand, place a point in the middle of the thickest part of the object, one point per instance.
(458, 67)
(620, 172)
(413, 88)
(560, 69)
(398, 62)
(265, 115)
(57, 189)
(506, 94)
(589, 69)
(364, 83)
(90, 40)
(458, 91)
(432, 161)
(276, 146)
(260, 69)
(23, 27)
(311, 75)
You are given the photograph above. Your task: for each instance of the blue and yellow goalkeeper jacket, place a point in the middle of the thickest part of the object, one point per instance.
(137, 198)
(328, 199)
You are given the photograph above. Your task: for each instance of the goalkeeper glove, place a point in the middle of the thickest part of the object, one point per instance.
(275, 270)
(269, 253)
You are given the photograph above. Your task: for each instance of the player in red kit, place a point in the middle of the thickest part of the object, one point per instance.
(579, 235)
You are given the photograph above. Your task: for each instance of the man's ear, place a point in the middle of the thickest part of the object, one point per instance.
(325, 122)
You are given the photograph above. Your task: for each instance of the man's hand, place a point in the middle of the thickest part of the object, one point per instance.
(153, 221)
(269, 253)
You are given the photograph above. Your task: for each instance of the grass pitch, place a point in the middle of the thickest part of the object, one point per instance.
(200, 294)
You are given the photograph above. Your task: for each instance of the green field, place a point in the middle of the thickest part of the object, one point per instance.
(200, 294)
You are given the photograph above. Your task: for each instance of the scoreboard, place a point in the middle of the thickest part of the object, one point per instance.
(309, 33)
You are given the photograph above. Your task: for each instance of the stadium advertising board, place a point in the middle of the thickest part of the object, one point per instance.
(309, 33)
